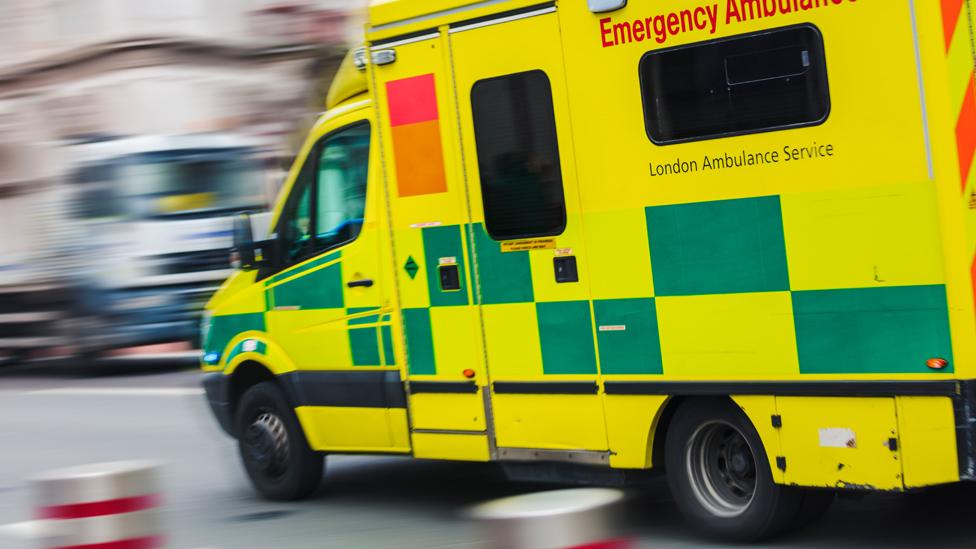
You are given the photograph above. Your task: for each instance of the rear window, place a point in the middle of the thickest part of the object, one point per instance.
(518, 156)
(745, 84)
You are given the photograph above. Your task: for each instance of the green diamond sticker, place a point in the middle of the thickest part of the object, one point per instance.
(411, 267)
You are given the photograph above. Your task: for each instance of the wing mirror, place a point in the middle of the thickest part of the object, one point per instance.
(253, 245)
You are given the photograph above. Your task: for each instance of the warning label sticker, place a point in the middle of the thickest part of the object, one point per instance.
(529, 244)
(837, 438)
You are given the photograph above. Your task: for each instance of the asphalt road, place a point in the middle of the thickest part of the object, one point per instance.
(53, 420)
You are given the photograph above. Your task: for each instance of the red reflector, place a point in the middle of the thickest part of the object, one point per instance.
(469, 373)
(937, 363)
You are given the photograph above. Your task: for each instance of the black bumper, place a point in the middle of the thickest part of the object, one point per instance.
(217, 387)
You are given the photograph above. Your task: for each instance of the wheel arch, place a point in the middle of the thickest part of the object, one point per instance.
(755, 408)
(247, 374)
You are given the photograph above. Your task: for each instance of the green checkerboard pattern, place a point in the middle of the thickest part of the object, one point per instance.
(875, 330)
(224, 328)
(364, 337)
(727, 247)
(321, 289)
(420, 341)
(733, 246)
(566, 337)
(627, 336)
(442, 243)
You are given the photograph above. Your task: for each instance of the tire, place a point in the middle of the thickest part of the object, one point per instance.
(720, 477)
(272, 445)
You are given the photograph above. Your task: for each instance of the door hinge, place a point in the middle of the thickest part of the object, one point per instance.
(781, 463)
(777, 420)
(893, 444)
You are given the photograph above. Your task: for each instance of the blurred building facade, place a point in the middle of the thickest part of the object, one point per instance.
(82, 70)
(71, 67)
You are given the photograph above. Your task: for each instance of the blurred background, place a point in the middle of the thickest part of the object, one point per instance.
(130, 132)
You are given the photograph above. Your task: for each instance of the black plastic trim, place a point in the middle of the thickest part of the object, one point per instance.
(787, 388)
(405, 36)
(464, 22)
(459, 387)
(217, 387)
(964, 408)
(502, 15)
(545, 387)
(371, 389)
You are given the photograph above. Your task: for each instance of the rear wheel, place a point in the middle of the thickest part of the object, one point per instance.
(272, 446)
(720, 477)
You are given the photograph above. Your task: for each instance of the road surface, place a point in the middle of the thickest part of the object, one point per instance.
(49, 421)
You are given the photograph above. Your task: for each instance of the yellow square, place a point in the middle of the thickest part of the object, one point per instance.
(304, 334)
(512, 335)
(457, 341)
(360, 261)
(564, 422)
(733, 336)
(618, 256)
(864, 237)
(541, 262)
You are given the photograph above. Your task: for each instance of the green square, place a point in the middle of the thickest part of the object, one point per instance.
(224, 328)
(504, 277)
(627, 336)
(444, 242)
(891, 330)
(722, 247)
(364, 344)
(566, 337)
(321, 289)
(388, 354)
(420, 341)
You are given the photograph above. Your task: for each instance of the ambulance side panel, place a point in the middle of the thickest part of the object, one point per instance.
(722, 261)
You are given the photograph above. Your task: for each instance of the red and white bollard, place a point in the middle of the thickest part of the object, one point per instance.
(581, 518)
(100, 506)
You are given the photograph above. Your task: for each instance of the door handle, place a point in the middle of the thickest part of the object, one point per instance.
(360, 283)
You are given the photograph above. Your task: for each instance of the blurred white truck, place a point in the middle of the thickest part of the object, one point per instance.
(136, 238)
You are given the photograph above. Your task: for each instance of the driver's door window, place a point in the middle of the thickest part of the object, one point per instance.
(296, 230)
(342, 170)
(328, 202)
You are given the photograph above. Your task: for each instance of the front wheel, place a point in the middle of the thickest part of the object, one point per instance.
(272, 446)
(720, 477)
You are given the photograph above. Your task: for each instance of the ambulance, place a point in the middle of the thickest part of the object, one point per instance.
(727, 240)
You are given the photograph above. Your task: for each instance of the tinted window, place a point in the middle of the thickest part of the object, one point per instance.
(518, 156)
(342, 170)
(327, 203)
(746, 84)
(296, 221)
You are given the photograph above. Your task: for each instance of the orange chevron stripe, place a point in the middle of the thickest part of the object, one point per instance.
(966, 132)
(951, 13)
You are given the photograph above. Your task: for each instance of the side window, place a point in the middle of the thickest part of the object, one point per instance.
(342, 169)
(745, 84)
(518, 156)
(295, 230)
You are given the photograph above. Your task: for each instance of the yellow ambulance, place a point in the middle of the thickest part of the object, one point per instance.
(730, 240)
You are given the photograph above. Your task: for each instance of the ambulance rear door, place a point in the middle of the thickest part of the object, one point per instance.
(527, 238)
